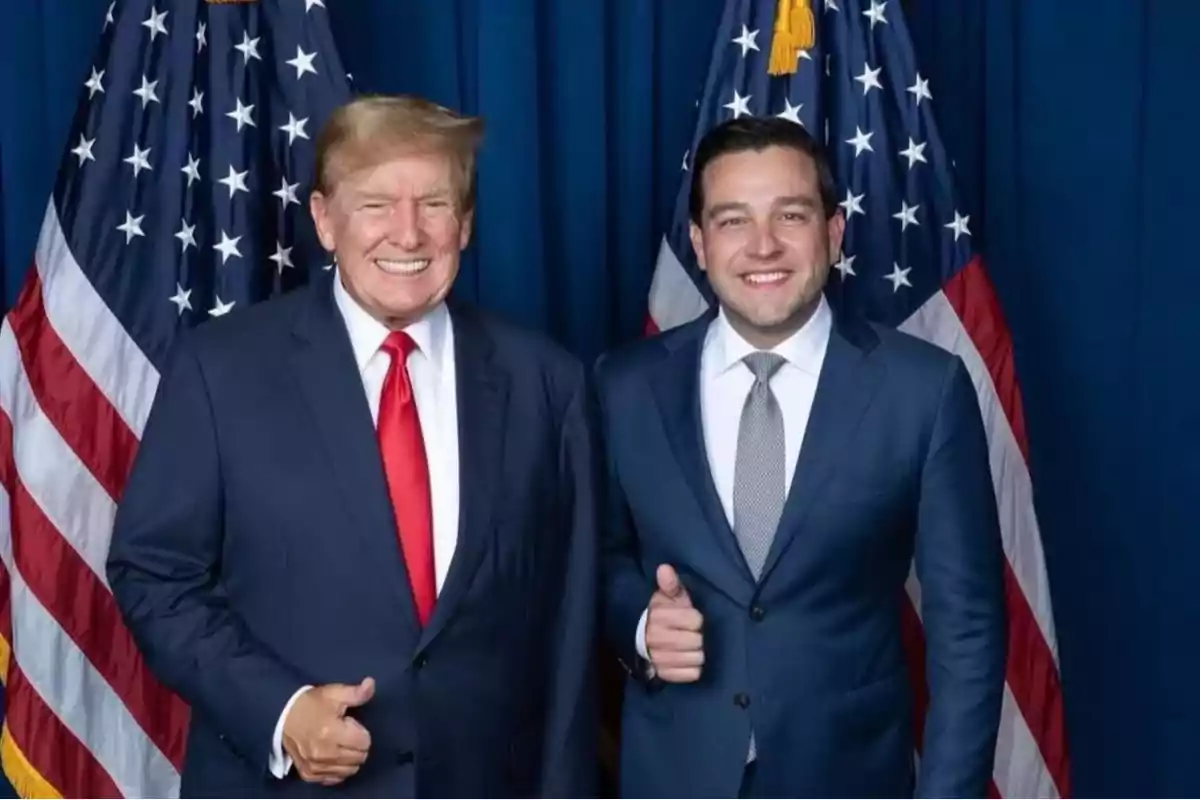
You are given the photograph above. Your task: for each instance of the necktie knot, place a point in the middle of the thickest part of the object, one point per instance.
(764, 365)
(398, 345)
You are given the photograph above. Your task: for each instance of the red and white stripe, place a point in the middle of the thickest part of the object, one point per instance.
(83, 710)
(964, 318)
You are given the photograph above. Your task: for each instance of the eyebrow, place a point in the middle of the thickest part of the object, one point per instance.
(791, 200)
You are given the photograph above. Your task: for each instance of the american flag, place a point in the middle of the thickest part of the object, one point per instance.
(179, 198)
(851, 78)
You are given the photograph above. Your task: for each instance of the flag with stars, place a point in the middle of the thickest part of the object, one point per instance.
(179, 198)
(907, 261)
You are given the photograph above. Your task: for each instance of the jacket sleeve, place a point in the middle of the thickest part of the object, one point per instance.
(626, 589)
(959, 562)
(164, 567)
(570, 767)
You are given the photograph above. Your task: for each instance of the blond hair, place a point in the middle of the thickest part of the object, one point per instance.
(371, 128)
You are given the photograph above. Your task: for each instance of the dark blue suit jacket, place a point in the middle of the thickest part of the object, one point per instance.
(255, 551)
(894, 464)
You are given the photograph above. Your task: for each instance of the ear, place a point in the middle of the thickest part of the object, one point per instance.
(836, 227)
(319, 207)
(464, 232)
(697, 236)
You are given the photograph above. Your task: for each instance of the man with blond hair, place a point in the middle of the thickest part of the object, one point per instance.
(360, 535)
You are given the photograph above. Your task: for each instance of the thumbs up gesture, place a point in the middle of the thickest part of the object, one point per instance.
(326, 745)
(673, 630)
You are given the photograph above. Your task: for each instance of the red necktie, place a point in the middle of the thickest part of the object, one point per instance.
(407, 471)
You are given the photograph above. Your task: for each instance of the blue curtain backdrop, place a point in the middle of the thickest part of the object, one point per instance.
(1071, 123)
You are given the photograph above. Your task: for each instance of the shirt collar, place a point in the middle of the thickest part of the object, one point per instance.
(804, 349)
(368, 334)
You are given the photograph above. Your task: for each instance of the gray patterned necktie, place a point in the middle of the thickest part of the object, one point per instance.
(759, 471)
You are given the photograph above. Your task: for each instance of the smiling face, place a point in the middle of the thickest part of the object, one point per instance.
(764, 240)
(398, 230)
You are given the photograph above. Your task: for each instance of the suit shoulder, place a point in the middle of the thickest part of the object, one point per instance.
(249, 329)
(525, 353)
(911, 353)
(636, 359)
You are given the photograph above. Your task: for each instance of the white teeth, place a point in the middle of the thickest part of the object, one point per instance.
(766, 277)
(402, 267)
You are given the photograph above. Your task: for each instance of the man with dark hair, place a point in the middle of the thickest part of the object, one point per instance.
(775, 467)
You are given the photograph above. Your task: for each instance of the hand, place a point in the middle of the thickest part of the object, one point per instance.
(326, 746)
(673, 630)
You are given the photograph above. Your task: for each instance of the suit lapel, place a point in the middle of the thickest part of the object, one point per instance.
(677, 393)
(844, 391)
(324, 364)
(482, 396)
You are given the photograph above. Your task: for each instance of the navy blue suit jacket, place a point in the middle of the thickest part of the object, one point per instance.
(894, 464)
(255, 552)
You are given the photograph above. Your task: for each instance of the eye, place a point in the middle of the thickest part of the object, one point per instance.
(730, 222)
(795, 216)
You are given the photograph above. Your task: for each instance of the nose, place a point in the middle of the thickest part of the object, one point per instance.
(405, 225)
(764, 244)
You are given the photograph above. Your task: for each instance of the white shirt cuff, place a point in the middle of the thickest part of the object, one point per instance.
(641, 636)
(281, 763)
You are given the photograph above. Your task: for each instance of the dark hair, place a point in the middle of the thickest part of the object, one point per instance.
(758, 133)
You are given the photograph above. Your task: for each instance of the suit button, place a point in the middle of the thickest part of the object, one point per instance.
(757, 613)
(741, 700)
(421, 661)
(404, 757)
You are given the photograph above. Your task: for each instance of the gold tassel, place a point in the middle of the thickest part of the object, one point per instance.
(795, 30)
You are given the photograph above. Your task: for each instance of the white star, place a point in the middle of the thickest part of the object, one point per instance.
(853, 204)
(746, 40)
(920, 88)
(155, 23)
(181, 298)
(869, 78)
(861, 141)
(221, 309)
(249, 47)
(685, 159)
(282, 257)
(138, 160)
(84, 149)
(831, 5)
(303, 62)
(287, 193)
(201, 39)
(94, 83)
(907, 215)
(132, 227)
(828, 66)
(914, 153)
(959, 226)
(791, 112)
(803, 55)
(236, 181)
(845, 265)
(146, 92)
(197, 102)
(108, 18)
(186, 234)
(294, 128)
(875, 13)
(898, 277)
(228, 247)
(192, 170)
(739, 105)
(242, 114)
(308, 4)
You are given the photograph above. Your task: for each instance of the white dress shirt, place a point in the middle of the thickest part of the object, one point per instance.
(432, 372)
(725, 382)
